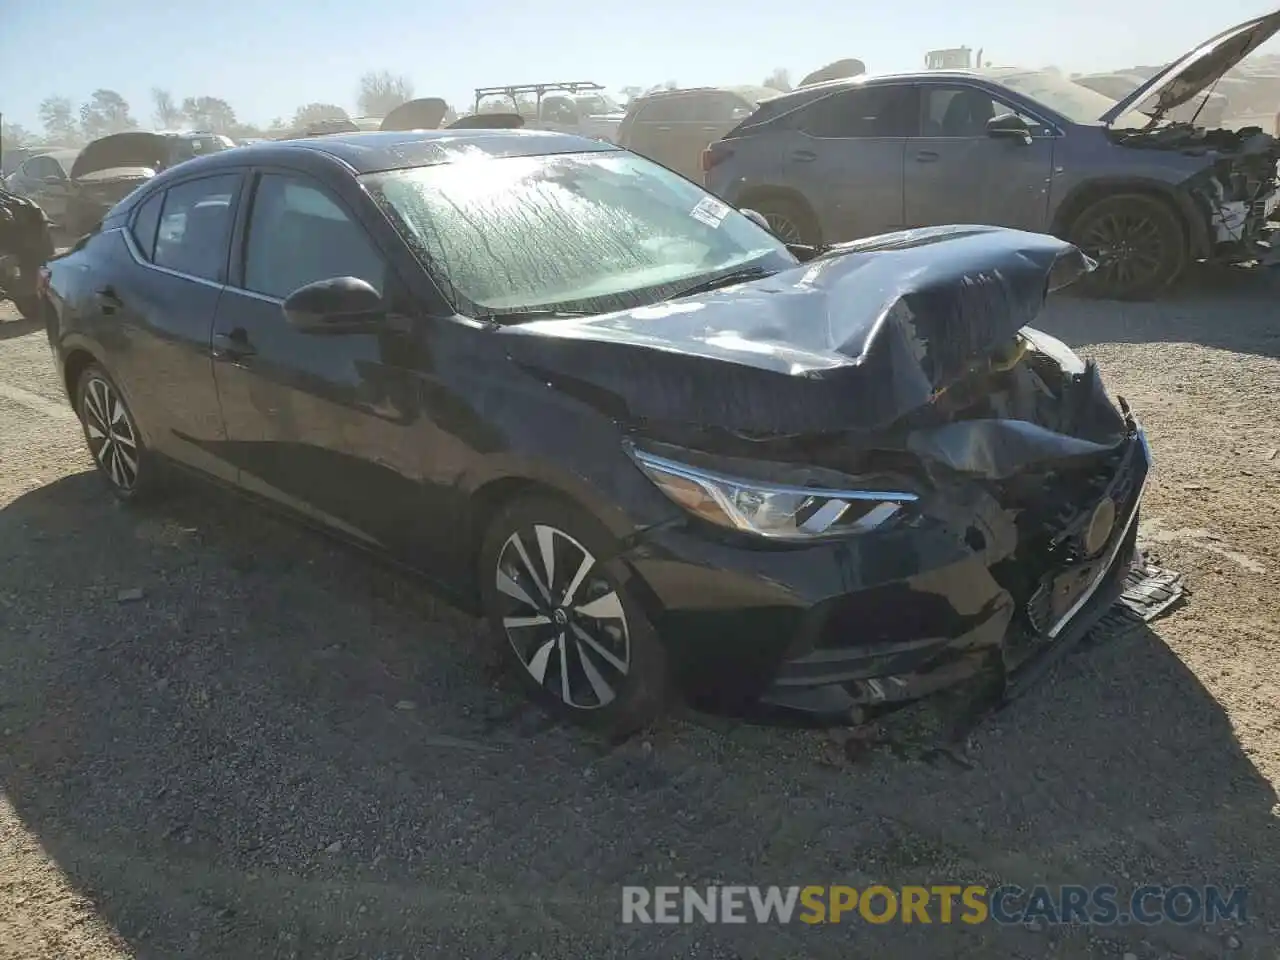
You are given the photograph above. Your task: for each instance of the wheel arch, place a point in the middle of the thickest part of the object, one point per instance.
(762, 193)
(1179, 201)
(75, 361)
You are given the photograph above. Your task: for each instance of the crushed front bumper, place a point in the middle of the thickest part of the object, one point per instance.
(873, 620)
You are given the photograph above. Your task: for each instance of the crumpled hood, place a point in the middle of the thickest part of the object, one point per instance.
(137, 148)
(850, 341)
(1193, 73)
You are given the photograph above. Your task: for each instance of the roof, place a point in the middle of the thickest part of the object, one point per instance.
(371, 152)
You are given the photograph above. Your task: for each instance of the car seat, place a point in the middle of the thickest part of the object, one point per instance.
(967, 114)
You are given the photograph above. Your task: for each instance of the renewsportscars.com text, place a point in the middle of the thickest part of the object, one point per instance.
(942, 904)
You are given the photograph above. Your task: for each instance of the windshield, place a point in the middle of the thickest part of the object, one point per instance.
(1077, 103)
(581, 232)
(596, 104)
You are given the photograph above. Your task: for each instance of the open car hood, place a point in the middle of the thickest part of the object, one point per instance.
(425, 113)
(137, 148)
(850, 341)
(1198, 70)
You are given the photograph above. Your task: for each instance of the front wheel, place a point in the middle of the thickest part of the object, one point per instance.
(113, 437)
(557, 602)
(1138, 241)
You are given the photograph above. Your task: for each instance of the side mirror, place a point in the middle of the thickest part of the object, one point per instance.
(339, 305)
(1009, 126)
(756, 217)
(52, 178)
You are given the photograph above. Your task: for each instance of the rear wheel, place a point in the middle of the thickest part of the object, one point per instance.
(790, 220)
(1139, 242)
(557, 603)
(112, 435)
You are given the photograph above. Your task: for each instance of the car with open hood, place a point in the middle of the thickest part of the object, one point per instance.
(1142, 192)
(651, 445)
(1209, 111)
(75, 196)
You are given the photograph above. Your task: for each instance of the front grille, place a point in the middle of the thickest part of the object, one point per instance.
(1054, 511)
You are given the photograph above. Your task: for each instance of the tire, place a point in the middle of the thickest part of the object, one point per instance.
(616, 681)
(115, 443)
(1139, 242)
(790, 220)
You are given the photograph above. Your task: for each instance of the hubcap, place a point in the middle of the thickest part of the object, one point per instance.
(111, 435)
(563, 617)
(1129, 247)
(783, 228)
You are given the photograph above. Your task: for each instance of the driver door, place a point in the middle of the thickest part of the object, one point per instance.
(956, 173)
(323, 424)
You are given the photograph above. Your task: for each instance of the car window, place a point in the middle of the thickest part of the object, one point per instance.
(719, 107)
(559, 110)
(665, 110)
(963, 111)
(298, 235)
(595, 230)
(145, 221)
(195, 225)
(37, 168)
(880, 111)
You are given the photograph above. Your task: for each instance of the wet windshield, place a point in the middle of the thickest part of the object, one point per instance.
(1077, 103)
(587, 232)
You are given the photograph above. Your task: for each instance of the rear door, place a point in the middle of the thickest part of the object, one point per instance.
(846, 158)
(159, 311)
(956, 173)
(653, 133)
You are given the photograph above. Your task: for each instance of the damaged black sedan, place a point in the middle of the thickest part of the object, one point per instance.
(615, 416)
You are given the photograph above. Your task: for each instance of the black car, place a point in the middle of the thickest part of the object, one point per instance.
(615, 416)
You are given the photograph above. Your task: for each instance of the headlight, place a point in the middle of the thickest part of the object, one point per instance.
(777, 512)
(1054, 349)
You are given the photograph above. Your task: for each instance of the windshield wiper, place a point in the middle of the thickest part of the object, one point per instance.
(723, 280)
(523, 316)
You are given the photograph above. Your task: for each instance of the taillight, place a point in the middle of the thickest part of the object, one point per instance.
(714, 154)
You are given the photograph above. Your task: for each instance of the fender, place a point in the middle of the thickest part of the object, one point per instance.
(1195, 217)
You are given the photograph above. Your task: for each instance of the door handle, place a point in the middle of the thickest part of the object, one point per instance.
(663, 129)
(926, 156)
(108, 299)
(233, 345)
(803, 156)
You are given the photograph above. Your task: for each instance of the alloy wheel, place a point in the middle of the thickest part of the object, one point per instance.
(1129, 247)
(783, 228)
(563, 617)
(112, 437)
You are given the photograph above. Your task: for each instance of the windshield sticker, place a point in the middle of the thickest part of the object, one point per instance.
(710, 211)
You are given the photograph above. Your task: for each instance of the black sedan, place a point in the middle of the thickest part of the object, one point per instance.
(616, 417)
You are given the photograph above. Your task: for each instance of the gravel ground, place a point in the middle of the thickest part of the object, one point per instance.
(224, 736)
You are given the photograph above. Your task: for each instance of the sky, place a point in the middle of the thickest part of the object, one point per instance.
(268, 57)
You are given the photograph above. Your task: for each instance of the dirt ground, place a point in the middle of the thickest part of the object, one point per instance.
(224, 736)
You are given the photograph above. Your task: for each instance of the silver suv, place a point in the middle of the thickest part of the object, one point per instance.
(1140, 192)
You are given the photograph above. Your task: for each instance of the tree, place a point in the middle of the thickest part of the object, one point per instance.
(167, 114)
(15, 135)
(780, 79)
(58, 120)
(668, 85)
(106, 112)
(315, 112)
(382, 91)
(630, 93)
(209, 113)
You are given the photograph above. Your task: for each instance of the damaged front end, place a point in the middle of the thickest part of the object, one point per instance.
(1236, 191)
(982, 533)
(890, 484)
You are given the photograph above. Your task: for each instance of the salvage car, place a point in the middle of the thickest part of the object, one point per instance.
(1140, 192)
(674, 127)
(110, 167)
(44, 180)
(653, 447)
